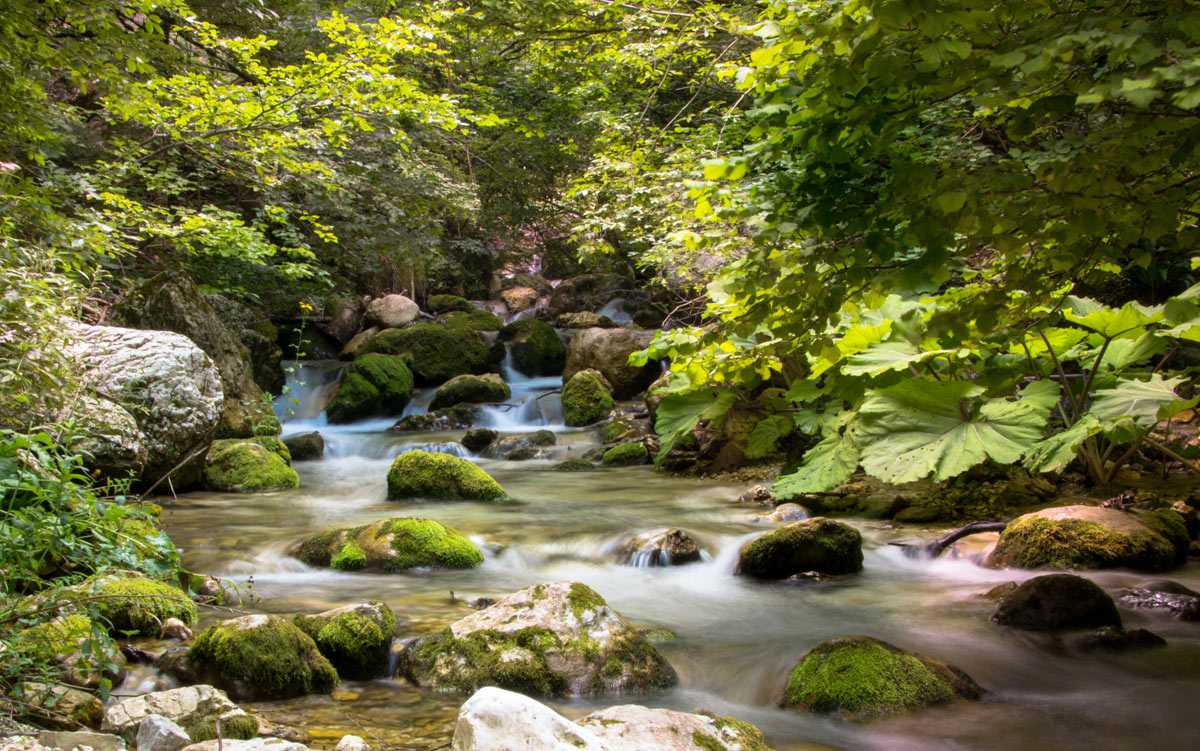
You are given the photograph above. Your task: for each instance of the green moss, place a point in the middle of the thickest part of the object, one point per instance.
(319, 550)
(374, 384)
(471, 389)
(262, 657)
(488, 658)
(748, 737)
(816, 544)
(356, 642)
(477, 320)
(448, 303)
(1170, 525)
(449, 418)
(245, 467)
(862, 678)
(707, 743)
(417, 543)
(583, 598)
(60, 636)
(1039, 542)
(350, 557)
(141, 605)
(419, 474)
(269, 442)
(585, 400)
(613, 431)
(438, 352)
(575, 465)
(626, 454)
(536, 348)
(240, 727)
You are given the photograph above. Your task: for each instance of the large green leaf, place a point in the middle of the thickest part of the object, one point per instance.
(885, 356)
(940, 429)
(767, 433)
(678, 414)
(826, 465)
(1056, 452)
(1139, 400)
(1108, 322)
(1124, 353)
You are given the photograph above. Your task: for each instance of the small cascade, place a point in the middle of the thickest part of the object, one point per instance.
(615, 312)
(419, 403)
(533, 403)
(307, 392)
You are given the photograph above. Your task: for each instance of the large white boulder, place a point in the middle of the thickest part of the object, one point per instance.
(495, 719)
(391, 311)
(195, 708)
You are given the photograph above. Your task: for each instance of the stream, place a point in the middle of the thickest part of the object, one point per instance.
(736, 640)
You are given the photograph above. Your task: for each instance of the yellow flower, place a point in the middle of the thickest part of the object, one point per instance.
(306, 307)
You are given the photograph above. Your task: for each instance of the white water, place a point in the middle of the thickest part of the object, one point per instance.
(615, 312)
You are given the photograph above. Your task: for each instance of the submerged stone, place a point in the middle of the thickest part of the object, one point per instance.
(419, 474)
(860, 678)
(670, 547)
(550, 639)
(521, 446)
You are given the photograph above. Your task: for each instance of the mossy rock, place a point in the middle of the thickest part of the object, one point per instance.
(372, 385)
(476, 320)
(575, 465)
(271, 443)
(985, 493)
(1170, 524)
(438, 304)
(618, 428)
(1087, 537)
(520, 446)
(438, 352)
(59, 707)
(259, 657)
(139, 605)
(50, 639)
(1057, 602)
(859, 678)
(356, 639)
(536, 348)
(240, 466)
(420, 474)
(550, 640)
(816, 544)
(458, 417)
(626, 454)
(391, 545)
(472, 389)
(478, 439)
(586, 399)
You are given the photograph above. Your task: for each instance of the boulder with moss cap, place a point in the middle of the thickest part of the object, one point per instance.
(608, 351)
(438, 304)
(474, 389)
(553, 639)
(356, 639)
(1092, 537)
(630, 727)
(860, 678)
(259, 657)
(420, 474)
(817, 544)
(372, 385)
(439, 352)
(197, 709)
(391, 545)
(136, 604)
(245, 466)
(535, 346)
(586, 398)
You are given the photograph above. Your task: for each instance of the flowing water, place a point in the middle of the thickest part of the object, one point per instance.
(736, 640)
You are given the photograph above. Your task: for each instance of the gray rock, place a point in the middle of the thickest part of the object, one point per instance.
(305, 447)
(391, 311)
(630, 727)
(351, 743)
(784, 512)
(165, 382)
(517, 447)
(608, 350)
(668, 547)
(157, 733)
(68, 741)
(190, 707)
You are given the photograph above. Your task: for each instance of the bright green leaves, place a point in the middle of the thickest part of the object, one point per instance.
(885, 356)
(678, 414)
(1106, 321)
(830, 463)
(935, 429)
(1139, 400)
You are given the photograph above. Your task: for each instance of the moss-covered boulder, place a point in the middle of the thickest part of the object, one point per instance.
(438, 304)
(476, 320)
(550, 639)
(1057, 602)
(238, 466)
(372, 385)
(137, 604)
(474, 389)
(584, 320)
(58, 637)
(816, 544)
(1089, 537)
(458, 417)
(586, 398)
(438, 352)
(478, 439)
(391, 545)
(520, 446)
(860, 678)
(258, 657)
(621, 428)
(626, 454)
(356, 639)
(536, 348)
(420, 474)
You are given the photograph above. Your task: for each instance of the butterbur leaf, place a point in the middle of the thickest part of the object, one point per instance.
(1108, 322)
(826, 465)
(1056, 452)
(766, 434)
(885, 356)
(678, 414)
(1139, 400)
(940, 429)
